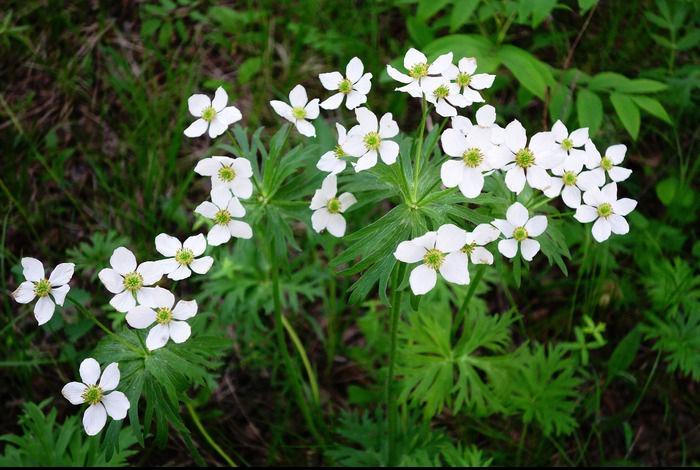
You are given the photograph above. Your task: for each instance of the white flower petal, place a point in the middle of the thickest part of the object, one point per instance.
(185, 309)
(116, 405)
(579, 136)
(94, 419)
(197, 104)
(305, 128)
(33, 270)
(515, 136)
(179, 331)
(123, 302)
(150, 271)
(43, 310)
(333, 102)
(229, 115)
(571, 196)
(484, 233)
(89, 371)
(155, 297)
(517, 215)
(450, 238)
(319, 219)
(366, 162)
(367, 119)
(559, 131)
(240, 229)
(220, 99)
(536, 226)
(481, 81)
(389, 151)
(157, 337)
(110, 377)
(538, 178)
(283, 109)
(355, 99)
(515, 179)
(486, 116)
(354, 69)
(481, 255)
(398, 76)
(330, 81)
(601, 229)
(529, 248)
(467, 65)
(24, 293)
(123, 261)
(451, 173)
(206, 209)
(73, 392)
(624, 206)
(618, 224)
(218, 235)
(422, 279)
(364, 84)
(167, 245)
(197, 128)
(413, 57)
(388, 127)
(508, 248)
(618, 173)
(61, 274)
(311, 109)
(336, 225)
(217, 127)
(472, 182)
(297, 97)
(616, 153)
(59, 294)
(182, 272)
(140, 317)
(346, 200)
(586, 214)
(504, 226)
(409, 252)
(440, 64)
(454, 268)
(202, 265)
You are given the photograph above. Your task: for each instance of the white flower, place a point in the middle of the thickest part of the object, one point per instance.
(603, 206)
(468, 82)
(90, 391)
(222, 209)
(416, 63)
(519, 228)
(438, 251)
(129, 282)
(213, 115)
(170, 321)
(328, 208)
(444, 94)
(483, 234)
(300, 110)
(473, 156)
(355, 85)
(529, 161)
(369, 138)
(182, 258)
(332, 161)
(599, 166)
(232, 173)
(485, 125)
(36, 285)
(570, 181)
(567, 149)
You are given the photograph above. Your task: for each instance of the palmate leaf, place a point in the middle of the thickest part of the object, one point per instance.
(545, 389)
(45, 443)
(679, 338)
(467, 371)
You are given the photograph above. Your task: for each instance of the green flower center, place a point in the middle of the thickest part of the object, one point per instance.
(333, 205)
(433, 258)
(298, 112)
(345, 86)
(569, 178)
(463, 79)
(42, 288)
(227, 174)
(133, 282)
(184, 256)
(473, 157)
(338, 150)
(164, 315)
(469, 248)
(525, 158)
(92, 394)
(372, 140)
(418, 71)
(519, 234)
(441, 92)
(605, 210)
(606, 163)
(223, 217)
(209, 114)
(567, 144)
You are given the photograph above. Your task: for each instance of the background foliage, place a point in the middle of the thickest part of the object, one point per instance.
(598, 366)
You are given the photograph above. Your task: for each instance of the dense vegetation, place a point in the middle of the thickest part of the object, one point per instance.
(588, 355)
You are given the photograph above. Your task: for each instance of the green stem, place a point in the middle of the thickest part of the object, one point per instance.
(470, 293)
(521, 444)
(294, 378)
(333, 321)
(419, 148)
(304, 359)
(207, 437)
(391, 403)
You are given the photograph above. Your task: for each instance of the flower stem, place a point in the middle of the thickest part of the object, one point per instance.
(419, 148)
(391, 403)
(295, 378)
(207, 437)
(470, 293)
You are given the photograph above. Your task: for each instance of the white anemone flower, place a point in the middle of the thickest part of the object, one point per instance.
(90, 391)
(603, 207)
(183, 258)
(519, 230)
(485, 125)
(444, 94)
(529, 161)
(569, 147)
(570, 181)
(418, 68)
(332, 161)
(298, 110)
(472, 158)
(354, 86)
(467, 81)
(36, 285)
(328, 208)
(483, 234)
(224, 209)
(371, 138)
(213, 114)
(438, 251)
(170, 321)
(233, 173)
(129, 282)
(599, 165)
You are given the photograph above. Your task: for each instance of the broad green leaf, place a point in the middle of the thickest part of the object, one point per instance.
(641, 85)
(248, 69)
(666, 190)
(653, 107)
(466, 45)
(462, 11)
(428, 8)
(627, 111)
(525, 68)
(586, 5)
(589, 109)
(625, 352)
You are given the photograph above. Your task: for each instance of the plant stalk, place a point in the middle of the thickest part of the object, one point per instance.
(391, 402)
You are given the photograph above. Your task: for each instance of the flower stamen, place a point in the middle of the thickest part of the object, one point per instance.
(372, 140)
(525, 158)
(433, 258)
(93, 394)
(473, 157)
(133, 282)
(223, 217)
(209, 114)
(164, 315)
(605, 210)
(184, 256)
(227, 173)
(42, 288)
(520, 234)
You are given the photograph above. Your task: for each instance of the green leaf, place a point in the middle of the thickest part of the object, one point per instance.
(666, 190)
(689, 41)
(641, 85)
(586, 5)
(589, 109)
(248, 69)
(428, 8)
(624, 354)
(466, 45)
(525, 68)
(627, 111)
(461, 12)
(653, 107)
